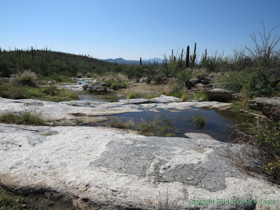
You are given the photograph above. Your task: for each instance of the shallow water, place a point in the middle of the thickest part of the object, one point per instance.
(83, 82)
(101, 98)
(217, 123)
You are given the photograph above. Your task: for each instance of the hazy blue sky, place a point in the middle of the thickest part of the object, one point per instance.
(131, 29)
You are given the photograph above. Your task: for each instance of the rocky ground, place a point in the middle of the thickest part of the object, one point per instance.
(103, 168)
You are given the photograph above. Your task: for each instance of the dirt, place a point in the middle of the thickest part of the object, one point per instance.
(47, 201)
(145, 90)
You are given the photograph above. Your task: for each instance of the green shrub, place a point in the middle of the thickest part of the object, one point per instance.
(123, 85)
(200, 75)
(114, 86)
(258, 85)
(265, 136)
(235, 80)
(184, 76)
(109, 82)
(51, 90)
(13, 91)
(57, 78)
(27, 78)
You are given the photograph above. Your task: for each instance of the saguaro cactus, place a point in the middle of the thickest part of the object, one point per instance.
(140, 61)
(194, 55)
(32, 54)
(188, 57)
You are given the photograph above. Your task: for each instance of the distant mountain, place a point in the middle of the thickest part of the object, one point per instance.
(133, 62)
(153, 59)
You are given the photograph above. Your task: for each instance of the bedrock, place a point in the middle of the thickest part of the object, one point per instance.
(117, 169)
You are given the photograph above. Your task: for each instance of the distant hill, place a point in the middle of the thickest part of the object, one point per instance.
(133, 62)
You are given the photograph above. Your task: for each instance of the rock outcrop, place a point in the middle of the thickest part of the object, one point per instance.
(114, 169)
(192, 82)
(218, 94)
(97, 87)
(270, 107)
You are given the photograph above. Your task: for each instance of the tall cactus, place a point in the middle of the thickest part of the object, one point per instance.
(172, 55)
(32, 54)
(140, 61)
(188, 57)
(194, 55)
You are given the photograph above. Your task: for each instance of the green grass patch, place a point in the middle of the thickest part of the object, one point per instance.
(185, 96)
(198, 119)
(161, 126)
(201, 96)
(131, 95)
(25, 118)
(51, 93)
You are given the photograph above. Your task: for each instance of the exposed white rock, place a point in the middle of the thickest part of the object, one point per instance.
(198, 136)
(118, 169)
(71, 109)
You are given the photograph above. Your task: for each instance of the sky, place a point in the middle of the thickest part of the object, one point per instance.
(132, 29)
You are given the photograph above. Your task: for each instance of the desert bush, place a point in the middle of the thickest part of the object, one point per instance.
(235, 81)
(114, 86)
(51, 90)
(259, 85)
(265, 49)
(260, 141)
(13, 91)
(200, 75)
(57, 78)
(184, 76)
(26, 78)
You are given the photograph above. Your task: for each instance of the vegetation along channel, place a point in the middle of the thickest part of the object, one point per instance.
(77, 132)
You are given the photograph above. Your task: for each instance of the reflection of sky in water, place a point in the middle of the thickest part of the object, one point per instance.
(88, 97)
(216, 125)
(83, 82)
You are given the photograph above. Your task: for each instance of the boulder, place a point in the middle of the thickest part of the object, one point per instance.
(205, 81)
(191, 83)
(97, 87)
(218, 94)
(104, 168)
(215, 85)
(199, 86)
(142, 80)
(166, 99)
(270, 107)
(85, 87)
